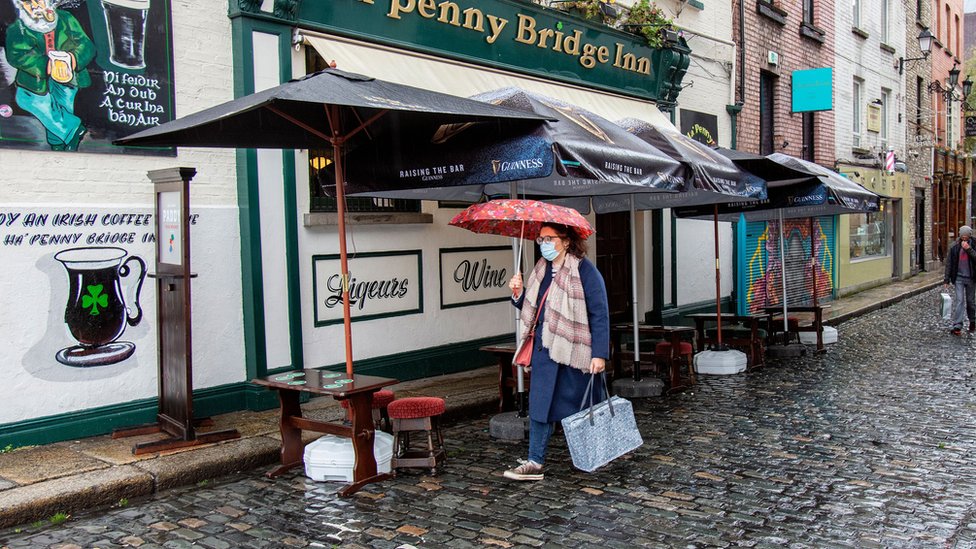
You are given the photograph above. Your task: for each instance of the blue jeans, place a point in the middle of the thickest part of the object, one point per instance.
(539, 433)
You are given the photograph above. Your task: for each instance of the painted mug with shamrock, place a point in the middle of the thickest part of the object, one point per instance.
(97, 313)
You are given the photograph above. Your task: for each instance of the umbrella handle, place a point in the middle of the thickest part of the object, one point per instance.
(518, 262)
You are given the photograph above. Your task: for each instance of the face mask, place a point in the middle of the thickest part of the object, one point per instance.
(548, 250)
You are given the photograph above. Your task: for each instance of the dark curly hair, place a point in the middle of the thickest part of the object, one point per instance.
(574, 244)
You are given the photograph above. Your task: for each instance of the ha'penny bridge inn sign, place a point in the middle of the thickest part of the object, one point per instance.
(514, 35)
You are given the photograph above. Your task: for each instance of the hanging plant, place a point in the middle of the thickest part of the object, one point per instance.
(648, 20)
(595, 10)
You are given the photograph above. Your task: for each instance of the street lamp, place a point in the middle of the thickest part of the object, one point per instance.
(949, 92)
(924, 43)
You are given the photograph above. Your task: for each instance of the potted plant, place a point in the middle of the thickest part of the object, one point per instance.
(648, 20)
(603, 11)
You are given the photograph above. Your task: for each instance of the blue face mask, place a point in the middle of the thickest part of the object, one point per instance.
(548, 250)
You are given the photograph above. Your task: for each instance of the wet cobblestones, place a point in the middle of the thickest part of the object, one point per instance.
(870, 445)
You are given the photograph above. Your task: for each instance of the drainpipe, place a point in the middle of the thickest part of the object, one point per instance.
(734, 110)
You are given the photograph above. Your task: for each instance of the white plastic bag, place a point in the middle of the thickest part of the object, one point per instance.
(945, 306)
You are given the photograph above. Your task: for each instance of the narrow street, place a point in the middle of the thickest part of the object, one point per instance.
(870, 445)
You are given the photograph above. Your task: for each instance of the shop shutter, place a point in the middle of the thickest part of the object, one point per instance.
(761, 281)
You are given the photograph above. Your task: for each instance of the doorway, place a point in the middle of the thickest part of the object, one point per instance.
(613, 261)
(919, 230)
(896, 238)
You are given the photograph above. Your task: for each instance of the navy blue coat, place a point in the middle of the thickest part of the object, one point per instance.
(556, 390)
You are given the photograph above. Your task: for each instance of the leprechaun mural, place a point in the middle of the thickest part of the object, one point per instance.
(50, 51)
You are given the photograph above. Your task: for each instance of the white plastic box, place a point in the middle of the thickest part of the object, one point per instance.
(331, 458)
(810, 338)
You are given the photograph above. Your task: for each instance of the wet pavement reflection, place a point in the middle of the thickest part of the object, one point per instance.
(869, 445)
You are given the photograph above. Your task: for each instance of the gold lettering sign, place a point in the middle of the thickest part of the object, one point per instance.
(524, 31)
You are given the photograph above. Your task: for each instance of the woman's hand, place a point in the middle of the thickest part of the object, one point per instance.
(515, 284)
(597, 365)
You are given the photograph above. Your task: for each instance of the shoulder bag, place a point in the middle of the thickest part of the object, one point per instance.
(601, 433)
(523, 357)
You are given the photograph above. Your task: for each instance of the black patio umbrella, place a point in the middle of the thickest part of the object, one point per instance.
(330, 108)
(575, 153)
(715, 179)
(796, 188)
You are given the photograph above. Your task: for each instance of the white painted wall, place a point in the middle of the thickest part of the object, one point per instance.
(33, 286)
(865, 59)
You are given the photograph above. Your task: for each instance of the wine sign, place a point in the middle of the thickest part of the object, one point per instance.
(381, 284)
(472, 276)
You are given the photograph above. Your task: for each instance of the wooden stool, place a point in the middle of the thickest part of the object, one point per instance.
(417, 414)
(381, 400)
(662, 353)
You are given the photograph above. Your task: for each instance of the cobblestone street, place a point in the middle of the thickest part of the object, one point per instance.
(870, 445)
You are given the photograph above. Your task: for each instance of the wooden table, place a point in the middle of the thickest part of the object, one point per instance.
(815, 326)
(756, 345)
(673, 334)
(359, 394)
(507, 383)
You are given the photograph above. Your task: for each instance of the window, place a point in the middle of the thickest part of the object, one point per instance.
(856, 13)
(948, 30)
(885, 100)
(958, 49)
(856, 112)
(869, 234)
(919, 85)
(321, 173)
(884, 21)
(808, 12)
(766, 110)
(950, 130)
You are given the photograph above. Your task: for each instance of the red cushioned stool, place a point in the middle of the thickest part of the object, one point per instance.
(381, 418)
(662, 354)
(417, 414)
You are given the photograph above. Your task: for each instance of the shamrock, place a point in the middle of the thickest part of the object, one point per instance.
(94, 298)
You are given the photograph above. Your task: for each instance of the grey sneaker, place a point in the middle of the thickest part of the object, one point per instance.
(528, 470)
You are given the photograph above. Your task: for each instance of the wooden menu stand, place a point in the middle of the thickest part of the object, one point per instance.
(175, 416)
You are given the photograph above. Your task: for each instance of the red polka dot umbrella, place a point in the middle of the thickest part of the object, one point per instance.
(519, 218)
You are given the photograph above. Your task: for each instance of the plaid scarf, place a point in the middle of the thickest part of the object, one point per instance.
(566, 329)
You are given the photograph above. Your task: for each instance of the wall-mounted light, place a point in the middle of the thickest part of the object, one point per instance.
(924, 43)
(319, 162)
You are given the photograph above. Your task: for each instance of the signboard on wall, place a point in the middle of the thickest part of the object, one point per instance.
(381, 284)
(971, 125)
(107, 72)
(813, 90)
(471, 276)
(700, 126)
(874, 118)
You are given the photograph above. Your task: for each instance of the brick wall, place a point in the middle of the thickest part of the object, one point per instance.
(796, 52)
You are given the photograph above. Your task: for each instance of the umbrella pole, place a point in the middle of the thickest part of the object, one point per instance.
(813, 262)
(343, 259)
(782, 271)
(633, 288)
(522, 410)
(718, 281)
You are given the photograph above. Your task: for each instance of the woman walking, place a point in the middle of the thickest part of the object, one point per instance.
(572, 336)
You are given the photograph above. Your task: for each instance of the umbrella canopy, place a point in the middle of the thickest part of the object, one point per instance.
(805, 190)
(714, 177)
(330, 108)
(519, 218)
(291, 115)
(574, 153)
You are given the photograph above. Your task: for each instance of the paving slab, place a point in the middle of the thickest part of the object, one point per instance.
(27, 466)
(212, 461)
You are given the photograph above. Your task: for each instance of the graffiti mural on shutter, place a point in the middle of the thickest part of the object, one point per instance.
(760, 266)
